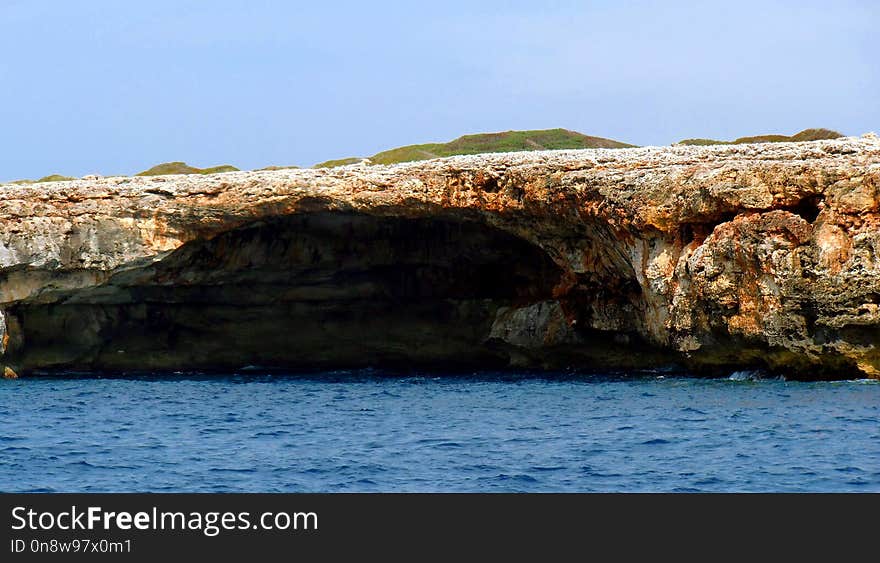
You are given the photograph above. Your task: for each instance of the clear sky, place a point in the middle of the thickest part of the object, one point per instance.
(108, 87)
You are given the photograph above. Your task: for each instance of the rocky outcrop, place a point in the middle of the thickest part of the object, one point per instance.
(713, 258)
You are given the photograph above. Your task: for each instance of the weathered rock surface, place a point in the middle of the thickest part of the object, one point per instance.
(713, 258)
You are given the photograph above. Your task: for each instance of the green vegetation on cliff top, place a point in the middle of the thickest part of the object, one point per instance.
(279, 168)
(183, 168)
(507, 141)
(337, 162)
(805, 135)
(55, 178)
(50, 178)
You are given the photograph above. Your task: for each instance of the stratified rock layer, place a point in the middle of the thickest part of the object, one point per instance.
(709, 257)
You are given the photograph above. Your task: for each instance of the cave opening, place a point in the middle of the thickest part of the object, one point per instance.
(326, 289)
(808, 208)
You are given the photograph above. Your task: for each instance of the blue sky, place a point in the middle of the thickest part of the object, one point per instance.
(108, 87)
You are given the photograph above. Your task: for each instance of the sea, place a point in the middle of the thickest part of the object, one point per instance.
(369, 430)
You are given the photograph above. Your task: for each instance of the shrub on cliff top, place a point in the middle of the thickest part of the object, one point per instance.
(805, 135)
(183, 168)
(279, 168)
(338, 162)
(55, 178)
(50, 178)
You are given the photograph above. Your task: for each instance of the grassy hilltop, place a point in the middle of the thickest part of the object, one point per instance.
(50, 178)
(507, 141)
(184, 168)
(338, 162)
(805, 135)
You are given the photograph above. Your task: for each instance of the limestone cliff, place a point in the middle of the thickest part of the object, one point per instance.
(719, 257)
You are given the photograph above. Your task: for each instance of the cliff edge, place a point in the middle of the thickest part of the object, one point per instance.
(714, 258)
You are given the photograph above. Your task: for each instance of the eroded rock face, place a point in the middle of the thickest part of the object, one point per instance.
(709, 257)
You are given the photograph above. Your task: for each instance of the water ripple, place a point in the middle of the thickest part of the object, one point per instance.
(370, 431)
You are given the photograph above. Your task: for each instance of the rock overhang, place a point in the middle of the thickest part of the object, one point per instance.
(713, 257)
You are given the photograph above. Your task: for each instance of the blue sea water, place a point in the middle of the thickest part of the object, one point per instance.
(367, 431)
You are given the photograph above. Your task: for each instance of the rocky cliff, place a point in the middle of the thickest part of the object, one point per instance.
(713, 258)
